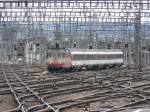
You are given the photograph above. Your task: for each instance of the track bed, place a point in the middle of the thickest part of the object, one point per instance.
(33, 89)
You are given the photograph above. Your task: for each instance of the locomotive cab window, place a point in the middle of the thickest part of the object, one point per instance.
(60, 55)
(50, 55)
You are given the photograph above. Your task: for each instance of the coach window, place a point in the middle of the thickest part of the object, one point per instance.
(89, 57)
(96, 57)
(112, 56)
(116, 56)
(78, 57)
(103, 56)
(120, 56)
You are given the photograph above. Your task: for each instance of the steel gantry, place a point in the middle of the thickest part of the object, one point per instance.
(74, 20)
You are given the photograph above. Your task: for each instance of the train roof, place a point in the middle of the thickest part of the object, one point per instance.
(95, 51)
(89, 51)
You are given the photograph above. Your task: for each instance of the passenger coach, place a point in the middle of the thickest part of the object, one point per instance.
(87, 58)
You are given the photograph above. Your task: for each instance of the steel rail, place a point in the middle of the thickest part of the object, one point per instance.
(128, 105)
(80, 101)
(48, 106)
(11, 89)
(109, 76)
(21, 106)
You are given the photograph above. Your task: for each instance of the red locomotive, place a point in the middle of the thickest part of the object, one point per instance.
(78, 58)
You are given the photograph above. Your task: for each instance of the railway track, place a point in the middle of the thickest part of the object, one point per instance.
(107, 90)
(15, 83)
